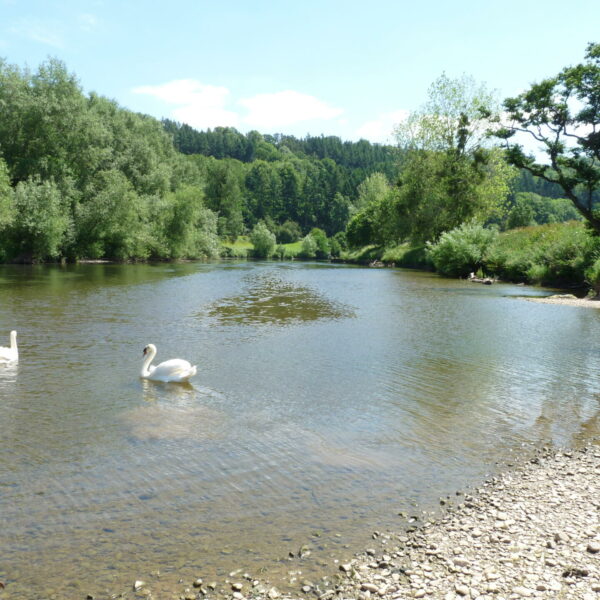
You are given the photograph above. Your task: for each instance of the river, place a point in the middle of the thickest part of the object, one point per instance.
(328, 400)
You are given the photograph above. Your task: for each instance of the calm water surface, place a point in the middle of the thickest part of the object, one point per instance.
(328, 399)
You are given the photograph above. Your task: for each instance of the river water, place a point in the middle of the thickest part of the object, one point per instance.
(328, 399)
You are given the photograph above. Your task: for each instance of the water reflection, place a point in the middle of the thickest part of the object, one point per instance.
(365, 389)
(272, 299)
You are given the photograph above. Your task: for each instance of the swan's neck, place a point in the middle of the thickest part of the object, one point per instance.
(149, 358)
(13, 340)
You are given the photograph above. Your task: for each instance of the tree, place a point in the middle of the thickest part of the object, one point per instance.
(375, 187)
(40, 222)
(449, 175)
(263, 241)
(562, 115)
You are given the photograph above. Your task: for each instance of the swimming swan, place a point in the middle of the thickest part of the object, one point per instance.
(10, 354)
(175, 369)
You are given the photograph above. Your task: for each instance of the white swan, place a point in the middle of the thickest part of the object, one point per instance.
(175, 369)
(10, 354)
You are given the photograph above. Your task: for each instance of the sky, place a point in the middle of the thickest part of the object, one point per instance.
(349, 68)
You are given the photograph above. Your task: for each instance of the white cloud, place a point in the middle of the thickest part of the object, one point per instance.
(381, 129)
(44, 33)
(281, 109)
(88, 22)
(200, 106)
(203, 106)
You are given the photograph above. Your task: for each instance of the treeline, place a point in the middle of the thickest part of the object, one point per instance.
(82, 177)
(227, 142)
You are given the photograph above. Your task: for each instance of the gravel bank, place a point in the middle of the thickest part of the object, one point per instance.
(566, 300)
(532, 532)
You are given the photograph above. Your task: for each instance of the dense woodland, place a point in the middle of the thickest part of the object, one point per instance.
(84, 178)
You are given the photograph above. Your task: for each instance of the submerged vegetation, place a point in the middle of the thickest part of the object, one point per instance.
(83, 178)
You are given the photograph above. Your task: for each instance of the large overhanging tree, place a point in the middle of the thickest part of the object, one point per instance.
(562, 116)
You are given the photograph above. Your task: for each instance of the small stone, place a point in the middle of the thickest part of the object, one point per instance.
(138, 585)
(347, 567)
(461, 590)
(420, 593)
(273, 593)
(369, 587)
(237, 587)
(197, 583)
(522, 591)
(238, 595)
(593, 547)
(306, 589)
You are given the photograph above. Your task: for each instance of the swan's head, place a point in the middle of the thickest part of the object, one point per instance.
(148, 349)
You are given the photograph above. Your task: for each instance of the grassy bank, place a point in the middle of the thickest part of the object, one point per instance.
(562, 255)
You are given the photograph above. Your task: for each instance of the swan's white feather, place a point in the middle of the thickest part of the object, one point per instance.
(175, 369)
(10, 354)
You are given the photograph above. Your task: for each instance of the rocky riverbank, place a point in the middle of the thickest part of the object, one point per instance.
(532, 532)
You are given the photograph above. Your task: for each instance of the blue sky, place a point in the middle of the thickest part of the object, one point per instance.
(349, 68)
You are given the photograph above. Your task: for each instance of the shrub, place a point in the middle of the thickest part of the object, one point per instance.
(552, 254)
(462, 250)
(289, 232)
(592, 276)
(322, 242)
(309, 247)
(263, 241)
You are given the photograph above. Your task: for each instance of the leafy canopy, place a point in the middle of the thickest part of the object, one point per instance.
(561, 115)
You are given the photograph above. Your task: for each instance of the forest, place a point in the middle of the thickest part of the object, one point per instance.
(84, 178)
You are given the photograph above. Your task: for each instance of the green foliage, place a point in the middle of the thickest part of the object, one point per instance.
(183, 227)
(552, 254)
(531, 209)
(6, 200)
(40, 222)
(407, 255)
(320, 237)
(263, 240)
(309, 247)
(372, 191)
(561, 115)
(592, 276)
(462, 250)
(448, 175)
(289, 232)
(112, 223)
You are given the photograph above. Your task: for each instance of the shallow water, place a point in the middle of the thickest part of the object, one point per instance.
(328, 399)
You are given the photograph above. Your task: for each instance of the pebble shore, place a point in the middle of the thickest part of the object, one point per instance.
(531, 532)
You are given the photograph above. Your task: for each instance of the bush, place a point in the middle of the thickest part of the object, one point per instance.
(322, 242)
(289, 232)
(554, 254)
(309, 247)
(263, 241)
(592, 276)
(462, 250)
